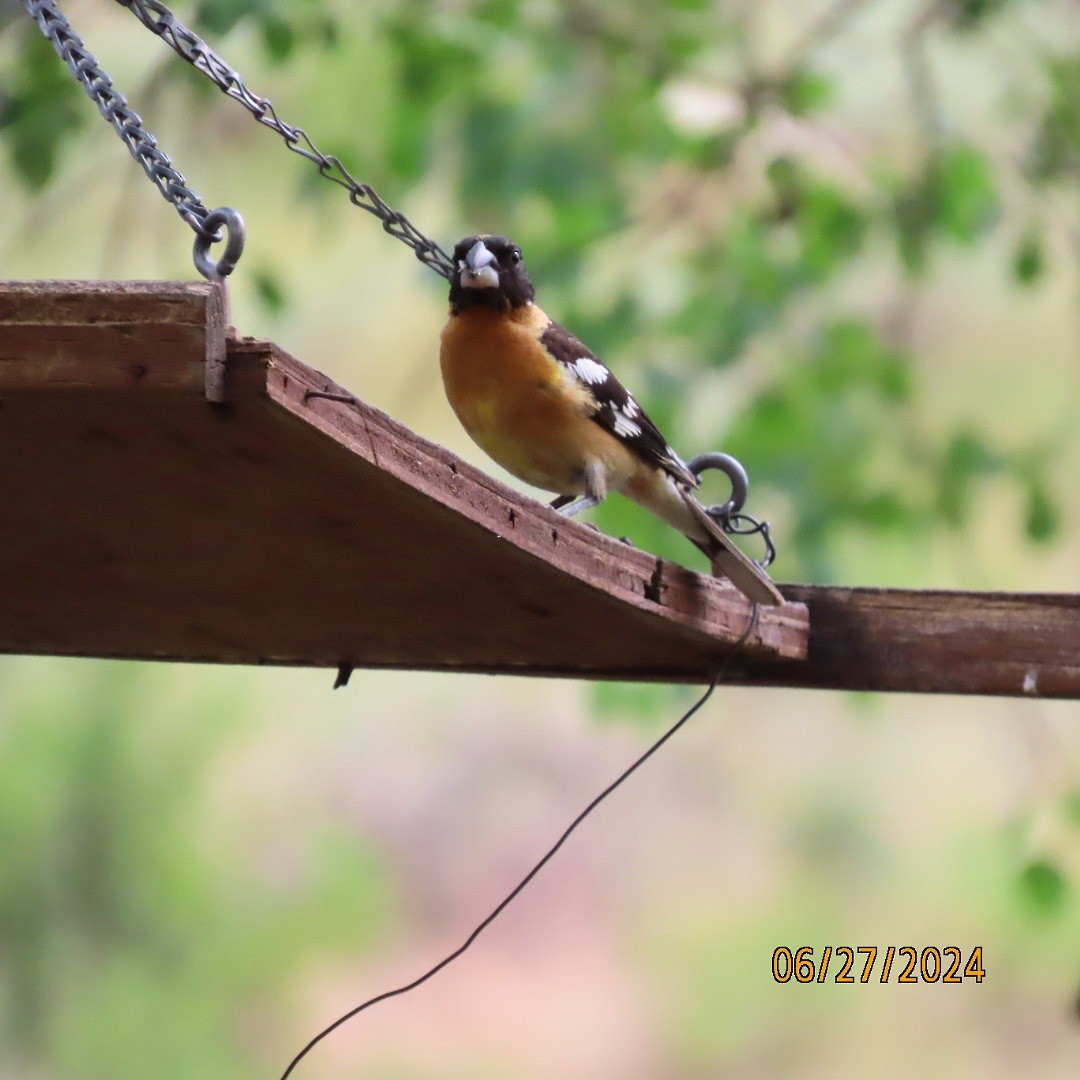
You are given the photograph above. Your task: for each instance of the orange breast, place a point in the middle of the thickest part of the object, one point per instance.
(516, 403)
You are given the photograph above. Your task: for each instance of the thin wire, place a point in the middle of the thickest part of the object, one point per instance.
(515, 892)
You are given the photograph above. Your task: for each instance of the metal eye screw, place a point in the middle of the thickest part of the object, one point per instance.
(230, 219)
(729, 515)
(736, 474)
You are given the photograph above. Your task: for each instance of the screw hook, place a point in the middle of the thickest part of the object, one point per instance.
(209, 233)
(729, 515)
(740, 483)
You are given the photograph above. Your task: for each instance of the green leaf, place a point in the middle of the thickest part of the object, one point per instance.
(1042, 519)
(646, 704)
(953, 196)
(40, 109)
(1043, 888)
(278, 38)
(505, 14)
(786, 177)
(805, 92)
(1055, 150)
(269, 290)
(408, 138)
(885, 511)
(912, 215)
(967, 15)
(966, 457)
(1028, 261)
(215, 18)
(830, 230)
(967, 198)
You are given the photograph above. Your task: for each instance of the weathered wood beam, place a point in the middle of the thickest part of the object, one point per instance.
(284, 526)
(112, 335)
(934, 642)
(289, 527)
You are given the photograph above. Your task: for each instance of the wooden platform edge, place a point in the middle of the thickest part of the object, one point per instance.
(896, 640)
(702, 603)
(933, 642)
(169, 341)
(96, 335)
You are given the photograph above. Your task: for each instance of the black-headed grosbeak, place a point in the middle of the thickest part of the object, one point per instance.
(540, 403)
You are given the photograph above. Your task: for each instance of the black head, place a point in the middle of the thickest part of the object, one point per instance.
(489, 272)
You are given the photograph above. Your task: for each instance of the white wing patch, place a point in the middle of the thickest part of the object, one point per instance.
(590, 371)
(610, 404)
(625, 426)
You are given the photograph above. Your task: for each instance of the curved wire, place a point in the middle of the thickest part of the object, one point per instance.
(718, 674)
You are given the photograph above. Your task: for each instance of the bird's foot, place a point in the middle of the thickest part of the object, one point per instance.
(569, 509)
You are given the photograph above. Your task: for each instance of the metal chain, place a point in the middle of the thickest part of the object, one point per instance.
(157, 18)
(141, 144)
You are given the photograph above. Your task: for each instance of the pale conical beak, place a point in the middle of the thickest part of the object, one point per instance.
(479, 271)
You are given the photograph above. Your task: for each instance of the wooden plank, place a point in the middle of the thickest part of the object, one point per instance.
(1015, 644)
(140, 521)
(636, 577)
(131, 335)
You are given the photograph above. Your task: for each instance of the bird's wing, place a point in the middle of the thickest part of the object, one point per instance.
(616, 410)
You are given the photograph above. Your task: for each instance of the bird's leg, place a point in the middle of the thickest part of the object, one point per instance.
(574, 506)
(595, 482)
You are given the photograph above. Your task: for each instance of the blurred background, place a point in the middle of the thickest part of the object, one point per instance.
(838, 239)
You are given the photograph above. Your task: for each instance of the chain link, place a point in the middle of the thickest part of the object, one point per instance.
(157, 18)
(127, 123)
(114, 107)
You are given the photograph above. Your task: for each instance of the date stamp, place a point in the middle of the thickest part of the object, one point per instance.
(868, 963)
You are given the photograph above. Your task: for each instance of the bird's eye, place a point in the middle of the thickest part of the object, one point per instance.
(515, 257)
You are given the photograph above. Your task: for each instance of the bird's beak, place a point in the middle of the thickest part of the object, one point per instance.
(478, 270)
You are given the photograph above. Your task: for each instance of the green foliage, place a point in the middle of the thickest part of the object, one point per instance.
(1043, 888)
(217, 17)
(269, 290)
(968, 15)
(1042, 517)
(39, 111)
(1029, 258)
(835, 398)
(762, 264)
(129, 932)
(644, 703)
(1055, 152)
(282, 27)
(953, 197)
(805, 91)
(966, 457)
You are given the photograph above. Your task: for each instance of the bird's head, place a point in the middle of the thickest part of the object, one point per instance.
(489, 272)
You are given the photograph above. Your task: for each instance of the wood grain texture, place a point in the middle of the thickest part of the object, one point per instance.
(130, 335)
(932, 641)
(143, 521)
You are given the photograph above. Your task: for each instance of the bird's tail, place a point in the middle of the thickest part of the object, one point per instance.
(727, 560)
(674, 502)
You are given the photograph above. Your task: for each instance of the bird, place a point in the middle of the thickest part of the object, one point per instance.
(541, 404)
